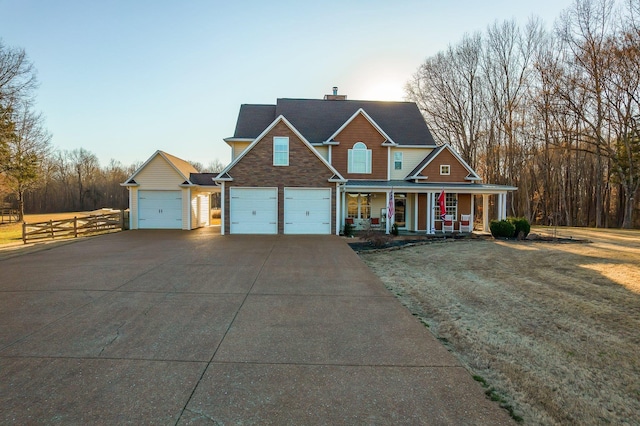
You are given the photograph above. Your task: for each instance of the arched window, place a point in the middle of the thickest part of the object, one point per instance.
(359, 158)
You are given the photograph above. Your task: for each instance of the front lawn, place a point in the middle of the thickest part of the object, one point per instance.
(549, 328)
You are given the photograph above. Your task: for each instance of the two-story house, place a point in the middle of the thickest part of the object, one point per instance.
(308, 166)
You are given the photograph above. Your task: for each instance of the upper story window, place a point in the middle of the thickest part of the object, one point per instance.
(445, 169)
(280, 151)
(397, 160)
(359, 159)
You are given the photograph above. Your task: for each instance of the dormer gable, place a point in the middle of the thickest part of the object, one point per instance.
(443, 164)
(334, 139)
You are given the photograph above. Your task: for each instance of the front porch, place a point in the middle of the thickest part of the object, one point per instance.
(365, 205)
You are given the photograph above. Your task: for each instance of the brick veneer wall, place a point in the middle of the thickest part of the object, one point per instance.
(256, 169)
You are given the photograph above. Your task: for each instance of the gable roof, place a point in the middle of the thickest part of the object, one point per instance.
(225, 176)
(432, 155)
(318, 119)
(182, 167)
(363, 113)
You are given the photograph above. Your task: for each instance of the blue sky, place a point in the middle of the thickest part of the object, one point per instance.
(125, 78)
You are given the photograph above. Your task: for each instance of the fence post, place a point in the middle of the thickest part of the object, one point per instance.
(75, 227)
(24, 232)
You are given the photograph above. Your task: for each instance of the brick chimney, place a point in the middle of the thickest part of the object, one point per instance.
(335, 96)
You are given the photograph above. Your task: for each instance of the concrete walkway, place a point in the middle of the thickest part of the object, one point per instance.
(175, 327)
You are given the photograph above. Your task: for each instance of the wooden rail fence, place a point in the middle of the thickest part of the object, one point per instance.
(72, 228)
(8, 215)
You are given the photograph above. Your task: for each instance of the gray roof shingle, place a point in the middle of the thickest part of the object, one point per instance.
(318, 119)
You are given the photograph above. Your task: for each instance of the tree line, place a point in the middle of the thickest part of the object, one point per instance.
(34, 176)
(554, 112)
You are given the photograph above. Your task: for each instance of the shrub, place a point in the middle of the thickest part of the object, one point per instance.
(378, 239)
(502, 229)
(522, 225)
(347, 231)
(394, 228)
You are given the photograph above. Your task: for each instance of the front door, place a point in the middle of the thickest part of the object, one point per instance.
(401, 204)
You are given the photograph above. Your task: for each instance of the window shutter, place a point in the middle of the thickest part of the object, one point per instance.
(350, 160)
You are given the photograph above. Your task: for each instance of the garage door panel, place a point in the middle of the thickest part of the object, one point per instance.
(254, 210)
(307, 211)
(160, 210)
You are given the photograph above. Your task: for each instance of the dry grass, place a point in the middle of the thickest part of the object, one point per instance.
(554, 328)
(12, 232)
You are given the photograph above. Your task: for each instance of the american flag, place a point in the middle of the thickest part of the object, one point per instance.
(442, 204)
(392, 206)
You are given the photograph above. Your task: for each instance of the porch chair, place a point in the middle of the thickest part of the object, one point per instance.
(447, 223)
(349, 220)
(375, 222)
(466, 224)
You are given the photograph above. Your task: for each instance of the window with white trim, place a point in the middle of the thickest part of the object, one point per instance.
(397, 160)
(451, 204)
(280, 151)
(359, 206)
(445, 169)
(359, 159)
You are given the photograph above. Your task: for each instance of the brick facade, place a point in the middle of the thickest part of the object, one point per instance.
(256, 169)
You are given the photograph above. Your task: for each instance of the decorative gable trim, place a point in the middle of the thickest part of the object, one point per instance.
(415, 173)
(170, 159)
(388, 141)
(225, 176)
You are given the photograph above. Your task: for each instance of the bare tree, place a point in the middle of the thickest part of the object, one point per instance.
(27, 150)
(215, 166)
(85, 166)
(447, 89)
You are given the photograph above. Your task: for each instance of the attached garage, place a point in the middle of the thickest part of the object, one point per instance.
(159, 209)
(253, 210)
(307, 211)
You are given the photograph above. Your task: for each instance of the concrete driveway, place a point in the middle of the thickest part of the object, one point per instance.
(175, 327)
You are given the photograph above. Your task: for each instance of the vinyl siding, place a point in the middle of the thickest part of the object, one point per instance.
(238, 148)
(133, 207)
(186, 209)
(360, 130)
(158, 175)
(323, 151)
(458, 172)
(411, 158)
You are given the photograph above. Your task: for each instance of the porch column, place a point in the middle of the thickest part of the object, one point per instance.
(432, 216)
(343, 207)
(485, 212)
(503, 206)
(338, 216)
(473, 199)
(386, 206)
(416, 226)
(222, 208)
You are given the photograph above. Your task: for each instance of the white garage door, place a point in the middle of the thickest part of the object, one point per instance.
(307, 211)
(253, 210)
(159, 210)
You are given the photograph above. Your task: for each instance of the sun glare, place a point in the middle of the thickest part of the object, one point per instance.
(385, 90)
